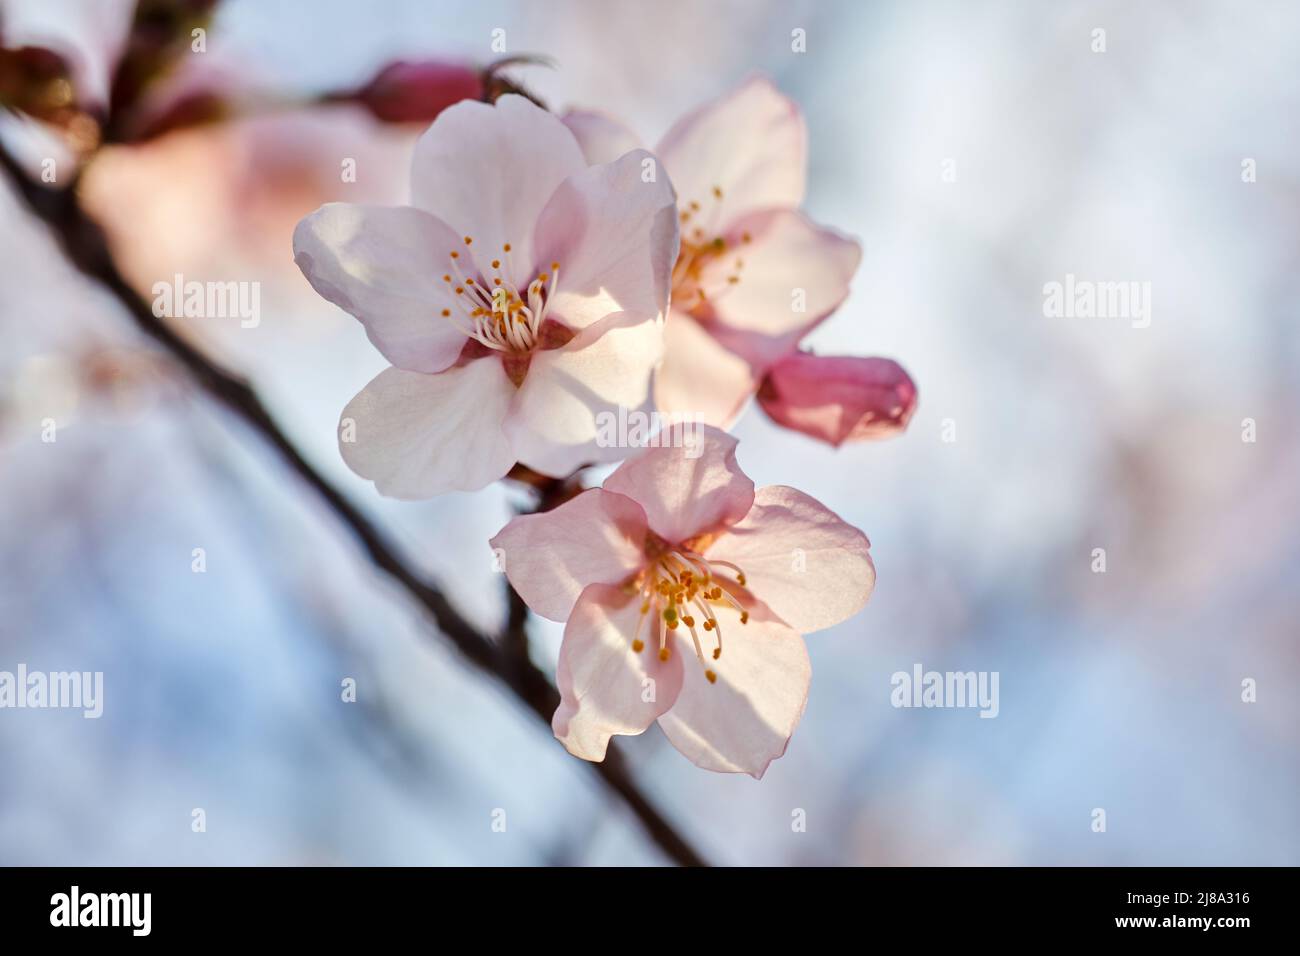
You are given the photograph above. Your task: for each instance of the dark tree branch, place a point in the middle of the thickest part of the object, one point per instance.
(84, 243)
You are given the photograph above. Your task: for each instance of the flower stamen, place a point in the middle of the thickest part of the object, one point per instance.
(499, 316)
(678, 584)
(698, 251)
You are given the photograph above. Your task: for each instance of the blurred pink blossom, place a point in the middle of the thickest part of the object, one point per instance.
(90, 37)
(416, 92)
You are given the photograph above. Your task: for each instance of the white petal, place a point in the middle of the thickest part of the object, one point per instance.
(419, 435)
(377, 263)
(614, 236)
(597, 537)
(488, 171)
(567, 408)
(750, 143)
(700, 379)
(607, 688)
(744, 721)
(812, 568)
(603, 139)
(795, 274)
(689, 484)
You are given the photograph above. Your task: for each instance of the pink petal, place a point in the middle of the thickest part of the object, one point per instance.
(750, 143)
(487, 172)
(603, 682)
(422, 435)
(802, 560)
(699, 378)
(744, 721)
(596, 538)
(795, 273)
(375, 262)
(417, 91)
(838, 399)
(556, 418)
(687, 490)
(615, 238)
(603, 139)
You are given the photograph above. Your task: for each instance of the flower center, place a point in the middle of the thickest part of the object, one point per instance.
(491, 310)
(676, 584)
(695, 285)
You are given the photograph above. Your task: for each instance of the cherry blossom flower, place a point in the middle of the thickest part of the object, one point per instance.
(412, 92)
(651, 570)
(519, 297)
(838, 398)
(754, 274)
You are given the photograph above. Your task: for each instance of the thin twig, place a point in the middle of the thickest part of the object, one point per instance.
(84, 243)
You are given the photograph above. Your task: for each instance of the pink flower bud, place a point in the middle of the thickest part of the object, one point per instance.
(405, 92)
(838, 398)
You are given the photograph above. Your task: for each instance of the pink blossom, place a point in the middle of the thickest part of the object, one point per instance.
(754, 274)
(416, 92)
(519, 297)
(838, 398)
(651, 570)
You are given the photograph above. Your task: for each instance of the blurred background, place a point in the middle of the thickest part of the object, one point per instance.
(1119, 690)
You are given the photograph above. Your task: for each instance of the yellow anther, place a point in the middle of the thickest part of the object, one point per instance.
(708, 625)
(744, 617)
(688, 621)
(469, 240)
(663, 653)
(717, 192)
(455, 254)
(713, 678)
(740, 578)
(638, 645)
(717, 652)
(496, 263)
(506, 247)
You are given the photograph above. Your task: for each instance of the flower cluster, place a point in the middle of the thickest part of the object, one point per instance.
(551, 272)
